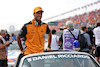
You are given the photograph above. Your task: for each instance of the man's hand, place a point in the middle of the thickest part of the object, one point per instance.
(48, 49)
(93, 48)
(22, 52)
(49, 39)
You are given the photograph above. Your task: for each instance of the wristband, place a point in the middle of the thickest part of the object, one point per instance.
(48, 46)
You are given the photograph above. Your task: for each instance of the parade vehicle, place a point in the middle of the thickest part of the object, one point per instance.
(62, 58)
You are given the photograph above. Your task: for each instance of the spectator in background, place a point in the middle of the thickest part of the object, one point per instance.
(3, 45)
(54, 42)
(7, 38)
(90, 32)
(13, 37)
(67, 38)
(96, 32)
(87, 37)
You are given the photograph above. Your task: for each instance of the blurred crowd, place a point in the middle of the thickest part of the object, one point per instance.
(87, 19)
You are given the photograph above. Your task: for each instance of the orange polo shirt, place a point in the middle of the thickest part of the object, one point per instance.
(34, 37)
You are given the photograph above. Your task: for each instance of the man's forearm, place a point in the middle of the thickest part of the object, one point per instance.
(19, 43)
(49, 39)
(3, 46)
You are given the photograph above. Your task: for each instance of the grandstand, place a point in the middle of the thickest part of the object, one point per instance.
(86, 18)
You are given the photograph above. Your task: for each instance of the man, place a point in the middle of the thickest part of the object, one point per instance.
(3, 44)
(54, 42)
(67, 38)
(87, 38)
(34, 34)
(96, 32)
(13, 37)
(7, 38)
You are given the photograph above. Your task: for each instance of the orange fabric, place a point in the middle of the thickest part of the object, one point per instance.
(35, 38)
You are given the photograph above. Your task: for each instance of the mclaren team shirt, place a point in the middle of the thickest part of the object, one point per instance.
(34, 37)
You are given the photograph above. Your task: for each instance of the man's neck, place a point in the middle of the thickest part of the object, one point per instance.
(37, 21)
(84, 31)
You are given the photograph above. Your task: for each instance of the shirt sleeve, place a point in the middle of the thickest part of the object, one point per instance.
(48, 30)
(23, 31)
